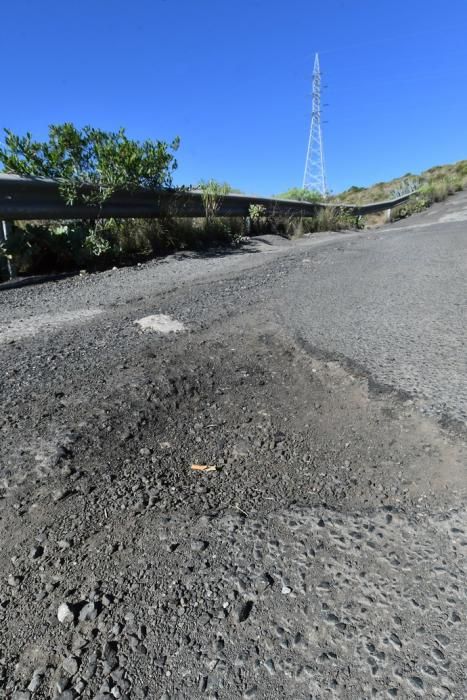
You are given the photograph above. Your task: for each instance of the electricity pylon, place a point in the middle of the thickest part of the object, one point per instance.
(314, 177)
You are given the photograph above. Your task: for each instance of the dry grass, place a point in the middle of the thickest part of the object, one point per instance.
(437, 182)
(433, 185)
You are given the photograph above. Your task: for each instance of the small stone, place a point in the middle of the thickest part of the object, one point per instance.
(91, 667)
(133, 642)
(117, 675)
(160, 661)
(65, 614)
(60, 494)
(265, 581)
(286, 590)
(242, 611)
(14, 581)
(88, 612)
(35, 681)
(70, 665)
(78, 643)
(36, 552)
(21, 695)
(61, 683)
(199, 545)
(204, 619)
(218, 645)
(109, 654)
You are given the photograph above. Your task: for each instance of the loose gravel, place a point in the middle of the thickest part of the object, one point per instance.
(324, 554)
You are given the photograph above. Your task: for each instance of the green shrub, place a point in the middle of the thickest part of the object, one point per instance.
(461, 168)
(39, 247)
(212, 193)
(107, 161)
(301, 195)
(455, 184)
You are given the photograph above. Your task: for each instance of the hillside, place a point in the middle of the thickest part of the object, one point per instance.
(435, 183)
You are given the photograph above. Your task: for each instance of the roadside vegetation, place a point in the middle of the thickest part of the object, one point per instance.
(301, 195)
(91, 165)
(432, 185)
(333, 218)
(105, 162)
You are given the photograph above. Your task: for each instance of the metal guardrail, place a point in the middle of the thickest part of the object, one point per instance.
(36, 198)
(26, 198)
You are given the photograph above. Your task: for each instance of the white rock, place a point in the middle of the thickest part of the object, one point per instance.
(160, 324)
(65, 614)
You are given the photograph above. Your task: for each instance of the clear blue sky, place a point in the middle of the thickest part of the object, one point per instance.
(233, 80)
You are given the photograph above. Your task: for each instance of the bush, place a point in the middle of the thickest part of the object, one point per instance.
(40, 248)
(107, 161)
(329, 218)
(332, 218)
(461, 168)
(212, 193)
(301, 195)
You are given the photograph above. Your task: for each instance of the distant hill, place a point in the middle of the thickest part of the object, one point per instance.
(435, 183)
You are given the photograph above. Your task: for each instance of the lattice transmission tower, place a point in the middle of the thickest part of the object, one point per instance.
(314, 177)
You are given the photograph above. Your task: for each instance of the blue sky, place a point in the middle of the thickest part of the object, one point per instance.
(233, 80)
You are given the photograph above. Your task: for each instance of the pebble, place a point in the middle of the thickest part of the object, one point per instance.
(91, 667)
(242, 611)
(35, 681)
(78, 643)
(80, 686)
(60, 494)
(88, 612)
(109, 654)
(204, 619)
(199, 545)
(36, 552)
(70, 665)
(61, 683)
(65, 614)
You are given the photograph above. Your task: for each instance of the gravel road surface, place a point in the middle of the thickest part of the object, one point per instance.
(324, 381)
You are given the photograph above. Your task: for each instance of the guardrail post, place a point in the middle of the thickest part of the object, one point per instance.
(388, 216)
(5, 233)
